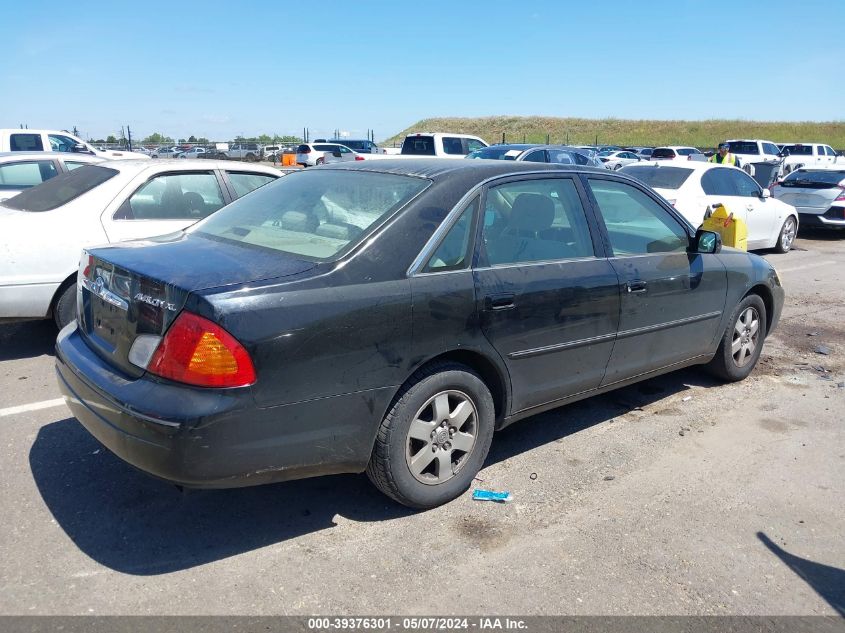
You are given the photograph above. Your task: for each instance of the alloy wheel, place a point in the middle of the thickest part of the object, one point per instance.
(787, 235)
(745, 337)
(441, 436)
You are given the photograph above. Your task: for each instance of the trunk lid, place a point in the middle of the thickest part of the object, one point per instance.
(125, 291)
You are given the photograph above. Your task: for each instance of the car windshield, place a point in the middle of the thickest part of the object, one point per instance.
(816, 179)
(319, 215)
(658, 177)
(61, 189)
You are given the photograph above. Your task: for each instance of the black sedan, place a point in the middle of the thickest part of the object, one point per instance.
(389, 316)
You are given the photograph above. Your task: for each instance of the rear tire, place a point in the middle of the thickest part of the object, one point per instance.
(742, 342)
(65, 309)
(787, 235)
(320, 161)
(434, 438)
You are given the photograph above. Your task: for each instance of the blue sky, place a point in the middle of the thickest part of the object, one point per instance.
(219, 69)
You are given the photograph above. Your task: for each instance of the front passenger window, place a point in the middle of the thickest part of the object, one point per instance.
(744, 184)
(636, 224)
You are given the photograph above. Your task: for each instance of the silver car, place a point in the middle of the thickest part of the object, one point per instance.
(817, 194)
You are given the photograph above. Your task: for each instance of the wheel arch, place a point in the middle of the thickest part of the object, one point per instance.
(69, 281)
(765, 293)
(493, 376)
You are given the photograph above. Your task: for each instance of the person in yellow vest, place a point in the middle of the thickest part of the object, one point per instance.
(724, 157)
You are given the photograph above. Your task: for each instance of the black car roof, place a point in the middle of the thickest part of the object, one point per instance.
(439, 168)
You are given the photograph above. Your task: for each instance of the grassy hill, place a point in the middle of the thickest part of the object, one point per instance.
(704, 134)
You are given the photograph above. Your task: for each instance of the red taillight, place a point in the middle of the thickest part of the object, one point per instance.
(359, 158)
(86, 272)
(841, 196)
(199, 352)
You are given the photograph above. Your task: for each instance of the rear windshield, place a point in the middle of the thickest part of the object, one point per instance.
(658, 177)
(61, 189)
(418, 145)
(799, 150)
(318, 215)
(663, 152)
(744, 147)
(817, 179)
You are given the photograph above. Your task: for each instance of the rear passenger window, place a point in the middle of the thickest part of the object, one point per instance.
(173, 197)
(453, 251)
(26, 143)
(636, 224)
(535, 220)
(715, 182)
(537, 157)
(452, 145)
(243, 183)
(24, 175)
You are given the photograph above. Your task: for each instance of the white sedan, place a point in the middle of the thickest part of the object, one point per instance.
(617, 160)
(43, 229)
(21, 170)
(694, 188)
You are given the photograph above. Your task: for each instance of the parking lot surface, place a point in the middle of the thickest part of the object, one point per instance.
(679, 495)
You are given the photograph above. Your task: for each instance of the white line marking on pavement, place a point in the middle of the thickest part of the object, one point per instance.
(35, 406)
(805, 266)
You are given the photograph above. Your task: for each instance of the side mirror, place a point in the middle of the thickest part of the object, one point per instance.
(765, 193)
(79, 148)
(706, 242)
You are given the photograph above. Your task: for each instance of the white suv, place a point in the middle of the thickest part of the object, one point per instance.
(311, 154)
(754, 151)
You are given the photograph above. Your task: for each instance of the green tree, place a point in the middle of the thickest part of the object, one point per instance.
(265, 139)
(157, 138)
(111, 139)
(192, 139)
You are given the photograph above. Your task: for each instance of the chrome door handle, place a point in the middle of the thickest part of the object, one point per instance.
(636, 286)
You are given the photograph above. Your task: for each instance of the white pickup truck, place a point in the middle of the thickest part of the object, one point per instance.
(26, 140)
(434, 144)
(797, 155)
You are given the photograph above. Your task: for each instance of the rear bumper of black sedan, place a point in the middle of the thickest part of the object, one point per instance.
(212, 438)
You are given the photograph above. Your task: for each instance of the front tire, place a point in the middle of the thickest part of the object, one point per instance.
(787, 235)
(434, 438)
(742, 342)
(65, 310)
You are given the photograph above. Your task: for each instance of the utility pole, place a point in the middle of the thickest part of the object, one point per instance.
(129, 136)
